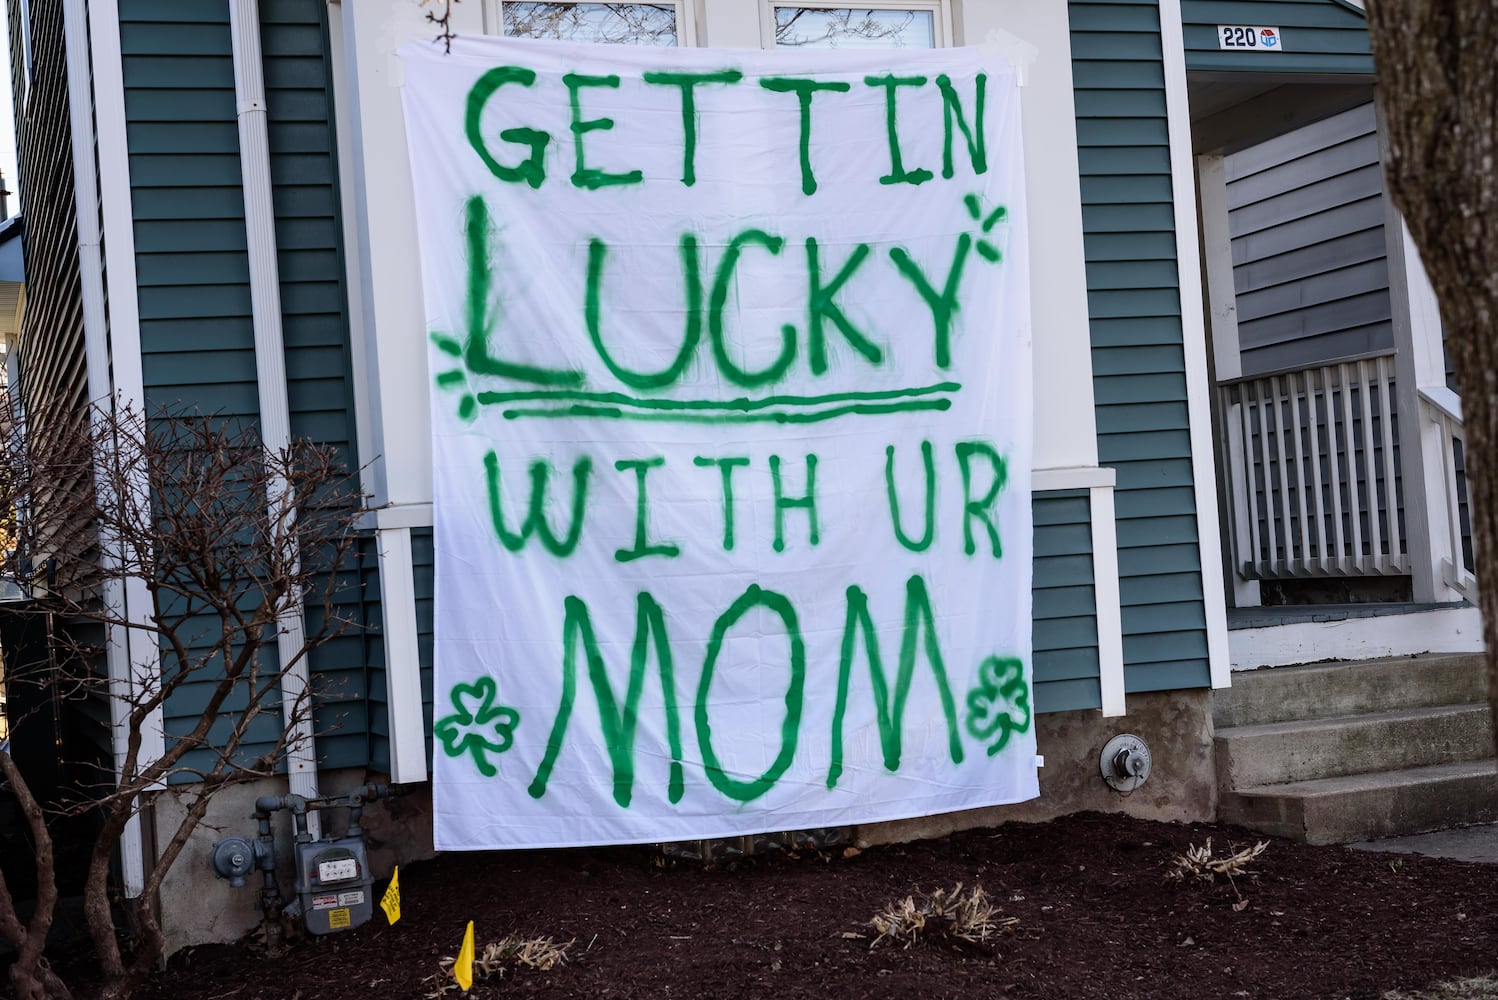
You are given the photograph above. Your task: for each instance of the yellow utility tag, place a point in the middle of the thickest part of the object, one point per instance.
(391, 901)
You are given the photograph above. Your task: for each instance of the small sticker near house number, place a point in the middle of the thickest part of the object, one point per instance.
(1240, 36)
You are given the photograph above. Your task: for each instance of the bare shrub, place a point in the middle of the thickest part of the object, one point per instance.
(945, 916)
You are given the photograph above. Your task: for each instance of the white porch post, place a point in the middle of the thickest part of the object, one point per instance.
(1419, 362)
(1227, 361)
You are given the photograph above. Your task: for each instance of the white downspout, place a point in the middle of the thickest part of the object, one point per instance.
(125, 652)
(270, 369)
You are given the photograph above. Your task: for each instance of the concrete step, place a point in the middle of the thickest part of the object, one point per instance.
(1367, 806)
(1329, 690)
(1279, 752)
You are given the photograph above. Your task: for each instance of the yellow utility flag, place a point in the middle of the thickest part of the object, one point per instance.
(391, 901)
(463, 967)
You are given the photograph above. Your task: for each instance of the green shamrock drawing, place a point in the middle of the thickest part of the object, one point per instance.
(483, 729)
(999, 704)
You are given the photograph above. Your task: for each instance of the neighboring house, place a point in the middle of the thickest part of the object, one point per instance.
(1214, 403)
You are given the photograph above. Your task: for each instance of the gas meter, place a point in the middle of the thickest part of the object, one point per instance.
(333, 884)
(333, 880)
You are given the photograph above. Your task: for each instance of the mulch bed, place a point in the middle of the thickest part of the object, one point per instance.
(1096, 918)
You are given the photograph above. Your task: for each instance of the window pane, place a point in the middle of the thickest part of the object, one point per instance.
(854, 28)
(615, 23)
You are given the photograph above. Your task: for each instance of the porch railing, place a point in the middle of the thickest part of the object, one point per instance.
(1313, 471)
(1444, 408)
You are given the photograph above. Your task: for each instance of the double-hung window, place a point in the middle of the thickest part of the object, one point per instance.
(665, 24)
(901, 25)
(917, 24)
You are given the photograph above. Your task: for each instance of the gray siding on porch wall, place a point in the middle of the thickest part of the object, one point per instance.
(197, 341)
(1316, 36)
(1306, 217)
(1139, 372)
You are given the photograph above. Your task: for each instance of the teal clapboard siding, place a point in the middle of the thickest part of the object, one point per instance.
(197, 338)
(1065, 604)
(315, 331)
(1316, 36)
(304, 179)
(197, 342)
(1139, 372)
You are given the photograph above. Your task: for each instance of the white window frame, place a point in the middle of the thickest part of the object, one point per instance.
(686, 21)
(942, 10)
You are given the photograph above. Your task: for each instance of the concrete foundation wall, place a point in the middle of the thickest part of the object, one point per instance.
(1182, 787)
(197, 907)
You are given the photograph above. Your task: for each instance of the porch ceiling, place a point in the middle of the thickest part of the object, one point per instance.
(1231, 111)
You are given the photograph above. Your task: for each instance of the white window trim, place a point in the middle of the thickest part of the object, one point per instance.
(686, 21)
(941, 8)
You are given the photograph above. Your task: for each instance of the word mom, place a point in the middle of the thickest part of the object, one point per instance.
(619, 717)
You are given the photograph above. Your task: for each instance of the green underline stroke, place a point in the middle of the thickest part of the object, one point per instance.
(742, 404)
(766, 416)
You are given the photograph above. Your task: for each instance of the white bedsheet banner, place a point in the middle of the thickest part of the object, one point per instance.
(731, 405)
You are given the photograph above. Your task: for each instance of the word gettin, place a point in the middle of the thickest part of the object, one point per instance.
(800, 92)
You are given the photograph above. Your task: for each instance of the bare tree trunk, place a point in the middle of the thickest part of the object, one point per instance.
(30, 975)
(178, 500)
(1437, 69)
(97, 911)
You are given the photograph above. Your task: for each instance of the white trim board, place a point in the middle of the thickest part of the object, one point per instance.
(1107, 601)
(101, 397)
(1080, 477)
(1194, 340)
(408, 760)
(1444, 630)
(117, 225)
